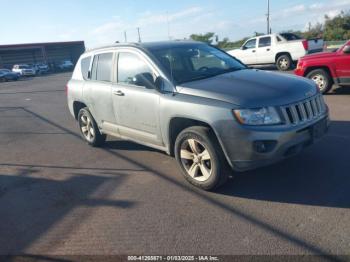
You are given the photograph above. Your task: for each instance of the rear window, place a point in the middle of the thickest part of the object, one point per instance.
(290, 37)
(85, 66)
(102, 67)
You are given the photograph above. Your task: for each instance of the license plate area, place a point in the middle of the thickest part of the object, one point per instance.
(319, 129)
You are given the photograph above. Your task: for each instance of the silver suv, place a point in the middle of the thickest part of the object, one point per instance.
(197, 103)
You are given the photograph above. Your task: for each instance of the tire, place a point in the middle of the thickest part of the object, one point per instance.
(89, 129)
(200, 158)
(284, 62)
(322, 79)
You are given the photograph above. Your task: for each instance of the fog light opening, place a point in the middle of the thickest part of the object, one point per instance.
(264, 146)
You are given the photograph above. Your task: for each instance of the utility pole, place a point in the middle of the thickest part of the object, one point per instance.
(168, 24)
(268, 17)
(125, 37)
(138, 32)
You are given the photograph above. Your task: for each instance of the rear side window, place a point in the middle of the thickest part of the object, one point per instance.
(265, 41)
(131, 68)
(102, 67)
(85, 66)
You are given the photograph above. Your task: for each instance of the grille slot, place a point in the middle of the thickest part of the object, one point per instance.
(304, 111)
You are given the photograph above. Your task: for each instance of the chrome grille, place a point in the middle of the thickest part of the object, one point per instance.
(304, 111)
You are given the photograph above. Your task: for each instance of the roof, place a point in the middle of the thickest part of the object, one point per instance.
(26, 45)
(149, 45)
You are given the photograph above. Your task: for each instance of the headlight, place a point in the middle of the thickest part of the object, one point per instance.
(258, 116)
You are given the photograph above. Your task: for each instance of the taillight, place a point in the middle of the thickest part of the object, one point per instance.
(306, 45)
(66, 89)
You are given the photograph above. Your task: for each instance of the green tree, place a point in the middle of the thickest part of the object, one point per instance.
(337, 28)
(207, 38)
(314, 31)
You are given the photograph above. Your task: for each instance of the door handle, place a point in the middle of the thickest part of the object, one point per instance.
(268, 49)
(118, 93)
(254, 51)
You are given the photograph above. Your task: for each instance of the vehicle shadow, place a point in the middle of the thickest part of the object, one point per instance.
(127, 145)
(38, 204)
(319, 176)
(341, 90)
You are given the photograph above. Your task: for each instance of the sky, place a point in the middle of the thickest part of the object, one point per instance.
(104, 22)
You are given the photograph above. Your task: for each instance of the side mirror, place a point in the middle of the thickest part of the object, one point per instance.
(346, 49)
(159, 84)
(144, 79)
(243, 48)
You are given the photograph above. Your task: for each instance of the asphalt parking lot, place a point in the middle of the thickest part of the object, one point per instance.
(58, 196)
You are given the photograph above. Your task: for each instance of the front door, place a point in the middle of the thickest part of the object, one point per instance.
(135, 100)
(342, 64)
(248, 52)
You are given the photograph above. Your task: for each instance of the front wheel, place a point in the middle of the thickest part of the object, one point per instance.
(200, 158)
(284, 63)
(89, 129)
(322, 80)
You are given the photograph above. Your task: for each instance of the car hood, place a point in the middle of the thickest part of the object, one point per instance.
(319, 56)
(252, 88)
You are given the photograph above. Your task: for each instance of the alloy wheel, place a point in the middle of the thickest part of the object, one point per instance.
(284, 63)
(87, 128)
(320, 81)
(196, 160)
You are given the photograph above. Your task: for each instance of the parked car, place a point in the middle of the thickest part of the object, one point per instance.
(8, 75)
(66, 66)
(24, 70)
(327, 68)
(280, 49)
(39, 68)
(196, 102)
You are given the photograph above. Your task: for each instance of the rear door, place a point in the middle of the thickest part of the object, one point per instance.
(98, 89)
(135, 100)
(264, 54)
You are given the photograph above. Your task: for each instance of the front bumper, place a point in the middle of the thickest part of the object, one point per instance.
(299, 71)
(28, 73)
(242, 154)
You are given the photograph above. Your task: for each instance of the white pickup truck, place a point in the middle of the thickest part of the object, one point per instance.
(280, 49)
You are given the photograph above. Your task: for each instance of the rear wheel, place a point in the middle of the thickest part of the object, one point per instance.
(89, 129)
(284, 62)
(200, 158)
(322, 80)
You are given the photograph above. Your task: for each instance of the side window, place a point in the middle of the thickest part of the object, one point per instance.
(85, 64)
(250, 44)
(265, 41)
(132, 70)
(102, 67)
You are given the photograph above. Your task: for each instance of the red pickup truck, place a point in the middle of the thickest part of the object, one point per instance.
(327, 68)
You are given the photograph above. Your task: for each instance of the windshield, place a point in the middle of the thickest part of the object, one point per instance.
(23, 67)
(192, 62)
